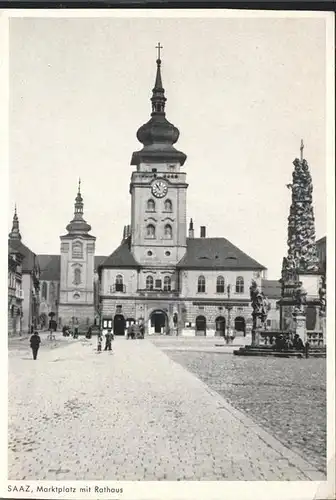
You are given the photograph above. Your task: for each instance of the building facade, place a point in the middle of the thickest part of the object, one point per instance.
(15, 292)
(171, 281)
(27, 279)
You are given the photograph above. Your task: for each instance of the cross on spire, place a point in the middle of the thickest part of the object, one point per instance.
(159, 47)
(79, 184)
(301, 150)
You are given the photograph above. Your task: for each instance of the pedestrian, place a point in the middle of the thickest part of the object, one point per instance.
(130, 331)
(136, 330)
(99, 344)
(75, 335)
(108, 341)
(142, 331)
(35, 342)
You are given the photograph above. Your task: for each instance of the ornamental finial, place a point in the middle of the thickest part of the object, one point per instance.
(159, 47)
(301, 150)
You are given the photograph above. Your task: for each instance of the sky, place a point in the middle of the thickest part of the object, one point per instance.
(242, 91)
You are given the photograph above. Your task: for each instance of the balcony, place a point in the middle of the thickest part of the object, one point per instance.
(117, 288)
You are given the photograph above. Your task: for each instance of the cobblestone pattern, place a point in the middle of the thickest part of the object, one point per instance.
(287, 397)
(134, 414)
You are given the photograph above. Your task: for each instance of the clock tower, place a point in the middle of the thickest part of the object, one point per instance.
(158, 188)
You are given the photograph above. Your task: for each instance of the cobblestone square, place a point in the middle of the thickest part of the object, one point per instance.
(133, 414)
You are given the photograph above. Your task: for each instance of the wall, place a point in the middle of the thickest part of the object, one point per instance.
(27, 285)
(189, 281)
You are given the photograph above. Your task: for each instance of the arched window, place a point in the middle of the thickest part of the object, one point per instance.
(240, 284)
(149, 283)
(119, 283)
(201, 284)
(168, 206)
(167, 284)
(150, 231)
(44, 290)
(220, 286)
(168, 232)
(77, 276)
(77, 250)
(151, 206)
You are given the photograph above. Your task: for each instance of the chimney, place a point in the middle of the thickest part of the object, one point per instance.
(203, 231)
(191, 229)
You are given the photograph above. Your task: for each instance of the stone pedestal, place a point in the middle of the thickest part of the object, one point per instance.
(300, 325)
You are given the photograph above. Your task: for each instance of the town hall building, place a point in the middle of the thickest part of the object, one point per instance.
(163, 274)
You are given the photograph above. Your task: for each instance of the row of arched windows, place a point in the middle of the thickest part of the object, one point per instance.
(168, 206)
(220, 284)
(151, 231)
(158, 283)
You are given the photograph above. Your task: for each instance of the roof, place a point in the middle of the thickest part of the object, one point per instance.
(321, 241)
(121, 257)
(271, 288)
(29, 261)
(215, 253)
(50, 266)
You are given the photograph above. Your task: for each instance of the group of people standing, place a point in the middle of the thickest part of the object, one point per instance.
(136, 331)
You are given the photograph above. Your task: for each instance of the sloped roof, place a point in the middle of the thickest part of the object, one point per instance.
(215, 253)
(50, 266)
(271, 288)
(29, 261)
(121, 257)
(321, 241)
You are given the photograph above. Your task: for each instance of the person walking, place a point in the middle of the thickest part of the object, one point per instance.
(35, 342)
(108, 341)
(99, 344)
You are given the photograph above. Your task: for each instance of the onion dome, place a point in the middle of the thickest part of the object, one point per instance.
(15, 232)
(158, 135)
(78, 225)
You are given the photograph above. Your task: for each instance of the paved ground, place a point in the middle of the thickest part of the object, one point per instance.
(287, 397)
(135, 414)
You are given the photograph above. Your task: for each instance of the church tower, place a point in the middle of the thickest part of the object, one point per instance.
(158, 188)
(77, 269)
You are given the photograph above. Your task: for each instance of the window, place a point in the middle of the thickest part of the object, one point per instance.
(77, 276)
(150, 231)
(119, 284)
(240, 284)
(167, 253)
(158, 284)
(201, 284)
(77, 250)
(149, 283)
(168, 206)
(149, 253)
(168, 232)
(151, 206)
(44, 290)
(167, 284)
(220, 287)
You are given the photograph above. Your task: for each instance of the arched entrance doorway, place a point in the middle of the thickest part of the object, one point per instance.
(220, 326)
(200, 326)
(240, 325)
(310, 318)
(158, 323)
(119, 324)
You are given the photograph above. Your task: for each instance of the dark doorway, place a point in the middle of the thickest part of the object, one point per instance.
(201, 325)
(311, 318)
(158, 321)
(119, 324)
(240, 325)
(220, 326)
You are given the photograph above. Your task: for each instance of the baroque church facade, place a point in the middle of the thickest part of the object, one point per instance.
(162, 274)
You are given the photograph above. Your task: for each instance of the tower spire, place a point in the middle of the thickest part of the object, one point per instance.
(158, 99)
(78, 224)
(15, 232)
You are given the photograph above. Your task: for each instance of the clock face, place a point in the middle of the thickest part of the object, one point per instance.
(159, 189)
